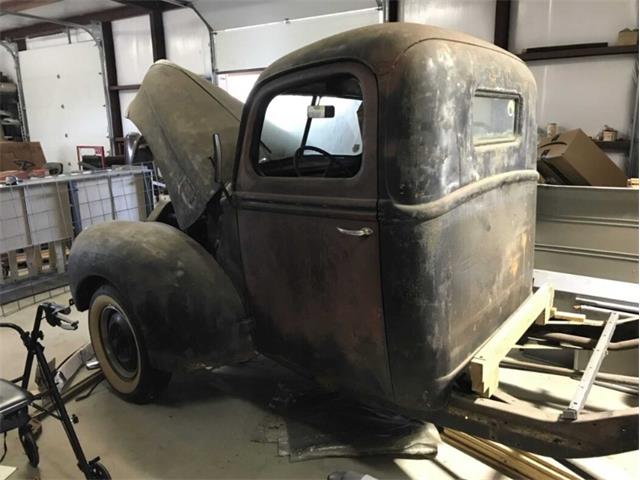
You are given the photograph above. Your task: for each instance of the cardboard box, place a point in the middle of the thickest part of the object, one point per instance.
(572, 158)
(627, 37)
(11, 153)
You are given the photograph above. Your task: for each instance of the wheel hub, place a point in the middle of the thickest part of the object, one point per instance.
(119, 341)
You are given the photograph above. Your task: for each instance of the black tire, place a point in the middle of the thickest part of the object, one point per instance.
(97, 471)
(120, 348)
(29, 445)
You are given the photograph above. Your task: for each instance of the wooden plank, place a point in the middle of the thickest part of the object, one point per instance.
(618, 145)
(59, 253)
(484, 366)
(34, 260)
(13, 266)
(4, 265)
(571, 317)
(514, 462)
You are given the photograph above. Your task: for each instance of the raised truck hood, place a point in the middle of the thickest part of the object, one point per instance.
(178, 112)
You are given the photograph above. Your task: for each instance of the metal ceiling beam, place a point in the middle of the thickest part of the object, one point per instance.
(188, 4)
(62, 23)
(502, 24)
(155, 5)
(19, 5)
(46, 28)
(391, 9)
(111, 78)
(156, 27)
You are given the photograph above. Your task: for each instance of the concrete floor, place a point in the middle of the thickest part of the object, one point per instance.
(197, 430)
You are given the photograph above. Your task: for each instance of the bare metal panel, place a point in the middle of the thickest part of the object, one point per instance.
(590, 231)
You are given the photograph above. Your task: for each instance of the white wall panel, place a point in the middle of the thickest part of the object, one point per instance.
(125, 99)
(238, 84)
(187, 41)
(585, 94)
(47, 41)
(64, 97)
(224, 14)
(132, 44)
(475, 17)
(58, 39)
(7, 65)
(258, 46)
(539, 23)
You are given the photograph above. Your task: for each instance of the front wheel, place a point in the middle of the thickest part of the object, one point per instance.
(97, 471)
(120, 348)
(28, 441)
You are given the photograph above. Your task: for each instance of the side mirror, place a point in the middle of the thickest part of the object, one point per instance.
(216, 157)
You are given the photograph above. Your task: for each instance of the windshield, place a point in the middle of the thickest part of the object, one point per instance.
(313, 131)
(286, 120)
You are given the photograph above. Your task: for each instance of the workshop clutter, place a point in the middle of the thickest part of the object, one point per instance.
(20, 155)
(573, 158)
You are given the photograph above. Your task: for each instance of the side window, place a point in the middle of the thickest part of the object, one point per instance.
(494, 118)
(313, 131)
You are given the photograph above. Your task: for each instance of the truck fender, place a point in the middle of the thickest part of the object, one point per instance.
(187, 309)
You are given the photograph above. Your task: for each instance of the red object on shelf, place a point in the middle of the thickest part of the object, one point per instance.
(19, 174)
(97, 150)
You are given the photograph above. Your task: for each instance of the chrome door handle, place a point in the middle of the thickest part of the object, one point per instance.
(361, 232)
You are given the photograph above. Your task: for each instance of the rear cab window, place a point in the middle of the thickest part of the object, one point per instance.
(495, 117)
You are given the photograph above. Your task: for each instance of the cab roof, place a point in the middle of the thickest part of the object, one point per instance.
(377, 46)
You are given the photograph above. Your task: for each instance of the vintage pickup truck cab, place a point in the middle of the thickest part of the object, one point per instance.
(366, 218)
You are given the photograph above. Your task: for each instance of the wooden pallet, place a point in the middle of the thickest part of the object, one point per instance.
(29, 262)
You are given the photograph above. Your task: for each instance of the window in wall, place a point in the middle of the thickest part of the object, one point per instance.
(238, 84)
(313, 131)
(494, 118)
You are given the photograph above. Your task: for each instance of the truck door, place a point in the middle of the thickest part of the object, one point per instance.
(306, 191)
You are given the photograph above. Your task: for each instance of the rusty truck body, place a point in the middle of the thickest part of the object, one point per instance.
(366, 218)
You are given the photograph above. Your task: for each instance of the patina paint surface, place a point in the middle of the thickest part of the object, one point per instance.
(178, 112)
(192, 311)
(394, 317)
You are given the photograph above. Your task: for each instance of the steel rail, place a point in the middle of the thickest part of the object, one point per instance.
(590, 373)
(512, 363)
